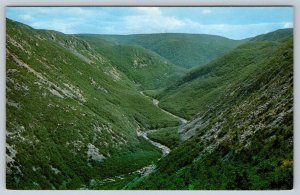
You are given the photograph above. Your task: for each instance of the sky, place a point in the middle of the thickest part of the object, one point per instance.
(230, 22)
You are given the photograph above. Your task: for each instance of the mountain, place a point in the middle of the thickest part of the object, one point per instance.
(72, 116)
(183, 50)
(240, 129)
(80, 115)
(145, 68)
(275, 35)
(199, 86)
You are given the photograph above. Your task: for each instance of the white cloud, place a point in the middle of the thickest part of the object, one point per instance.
(234, 31)
(136, 20)
(288, 25)
(150, 24)
(64, 26)
(56, 12)
(151, 20)
(26, 17)
(149, 10)
(111, 29)
(65, 20)
(206, 11)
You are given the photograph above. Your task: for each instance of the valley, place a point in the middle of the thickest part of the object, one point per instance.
(165, 111)
(156, 102)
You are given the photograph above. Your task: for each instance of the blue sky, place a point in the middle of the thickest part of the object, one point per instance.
(231, 22)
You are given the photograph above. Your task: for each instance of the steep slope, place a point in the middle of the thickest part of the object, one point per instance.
(72, 116)
(147, 69)
(241, 134)
(183, 50)
(199, 86)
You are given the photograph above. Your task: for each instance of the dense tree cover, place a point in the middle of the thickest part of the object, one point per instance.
(247, 142)
(145, 68)
(183, 50)
(200, 86)
(167, 136)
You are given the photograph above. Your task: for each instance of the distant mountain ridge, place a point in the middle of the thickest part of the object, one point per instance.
(276, 35)
(183, 50)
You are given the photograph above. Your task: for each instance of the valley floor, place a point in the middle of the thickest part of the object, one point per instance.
(156, 102)
(136, 176)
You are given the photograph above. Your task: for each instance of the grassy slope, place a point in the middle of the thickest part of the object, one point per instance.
(183, 50)
(246, 139)
(147, 69)
(199, 86)
(62, 96)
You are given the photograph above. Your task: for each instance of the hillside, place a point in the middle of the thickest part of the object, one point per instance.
(200, 86)
(152, 111)
(275, 35)
(145, 68)
(183, 50)
(72, 116)
(240, 133)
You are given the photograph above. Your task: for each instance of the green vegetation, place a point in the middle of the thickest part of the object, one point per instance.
(144, 67)
(167, 136)
(183, 50)
(200, 87)
(247, 140)
(275, 35)
(75, 113)
(153, 93)
(117, 182)
(71, 115)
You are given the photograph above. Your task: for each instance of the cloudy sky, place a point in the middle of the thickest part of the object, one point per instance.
(231, 22)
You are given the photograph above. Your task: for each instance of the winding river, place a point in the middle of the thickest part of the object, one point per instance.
(143, 172)
(165, 150)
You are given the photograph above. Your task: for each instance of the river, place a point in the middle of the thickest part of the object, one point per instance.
(165, 150)
(143, 172)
